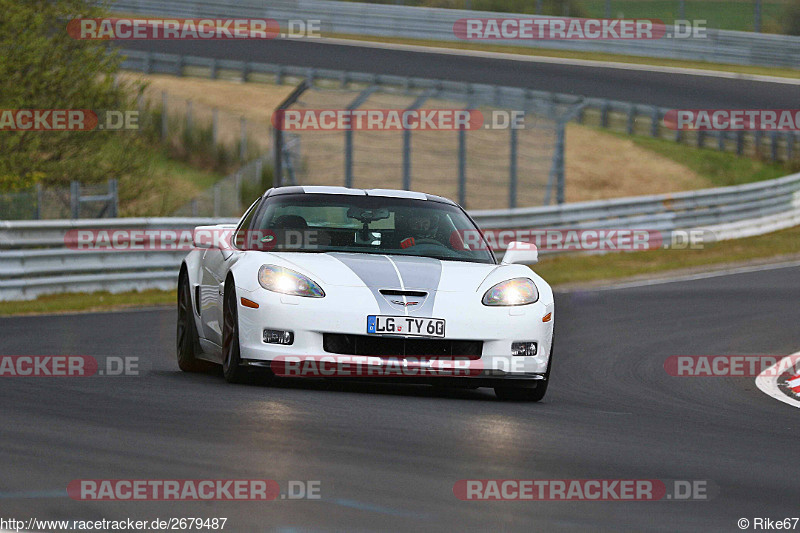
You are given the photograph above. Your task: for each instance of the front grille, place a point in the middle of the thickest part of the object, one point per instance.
(389, 346)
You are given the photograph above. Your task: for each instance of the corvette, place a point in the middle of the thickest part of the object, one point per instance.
(401, 278)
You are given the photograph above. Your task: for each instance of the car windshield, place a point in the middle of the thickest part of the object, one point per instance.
(364, 224)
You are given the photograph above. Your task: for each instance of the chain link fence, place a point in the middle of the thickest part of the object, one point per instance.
(95, 200)
(497, 161)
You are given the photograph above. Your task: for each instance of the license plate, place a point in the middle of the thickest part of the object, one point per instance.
(405, 325)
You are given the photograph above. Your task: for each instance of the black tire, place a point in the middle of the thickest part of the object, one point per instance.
(187, 342)
(232, 367)
(515, 394)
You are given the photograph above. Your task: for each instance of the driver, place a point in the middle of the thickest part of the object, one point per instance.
(417, 225)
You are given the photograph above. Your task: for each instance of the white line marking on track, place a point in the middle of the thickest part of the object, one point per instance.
(768, 384)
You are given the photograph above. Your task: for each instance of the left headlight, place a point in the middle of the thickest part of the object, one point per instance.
(279, 279)
(517, 291)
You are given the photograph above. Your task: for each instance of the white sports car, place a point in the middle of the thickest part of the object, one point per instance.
(388, 279)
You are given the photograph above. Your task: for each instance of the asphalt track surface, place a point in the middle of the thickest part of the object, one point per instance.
(387, 457)
(637, 86)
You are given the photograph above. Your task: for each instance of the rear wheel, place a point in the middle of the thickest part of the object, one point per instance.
(232, 367)
(187, 330)
(512, 394)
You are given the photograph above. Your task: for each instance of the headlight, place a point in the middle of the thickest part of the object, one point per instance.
(517, 291)
(279, 279)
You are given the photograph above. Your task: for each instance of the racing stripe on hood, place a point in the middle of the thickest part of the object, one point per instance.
(377, 272)
(420, 274)
(396, 273)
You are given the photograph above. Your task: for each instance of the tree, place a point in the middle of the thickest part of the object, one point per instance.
(42, 67)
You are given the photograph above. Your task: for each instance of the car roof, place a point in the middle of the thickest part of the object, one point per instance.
(389, 193)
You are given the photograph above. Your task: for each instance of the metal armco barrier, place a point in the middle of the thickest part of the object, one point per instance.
(34, 259)
(351, 18)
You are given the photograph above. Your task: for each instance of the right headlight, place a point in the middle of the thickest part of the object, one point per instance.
(517, 291)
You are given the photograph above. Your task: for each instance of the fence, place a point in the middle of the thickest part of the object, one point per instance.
(604, 113)
(346, 18)
(95, 200)
(34, 259)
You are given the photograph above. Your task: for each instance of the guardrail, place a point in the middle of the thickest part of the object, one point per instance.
(349, 18)
(34, 258)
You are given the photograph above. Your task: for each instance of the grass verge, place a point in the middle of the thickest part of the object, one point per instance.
(573, 268)
(97, 301)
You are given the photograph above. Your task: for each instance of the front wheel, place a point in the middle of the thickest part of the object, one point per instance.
(512, 394)
(187, 330)
(232, 367)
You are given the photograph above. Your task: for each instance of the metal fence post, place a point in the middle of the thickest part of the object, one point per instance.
(631, 119)
(462, 166)
(407, 142)
(739, 142)
(164, 101)
(74, 199)
(243, 139)
(188, 115)
(512, 168)
(38, 213)
(215, 126)
(357, 102)
(559, 161)
(113, 192)
(216, 200)
(604, 108)
(773, 145)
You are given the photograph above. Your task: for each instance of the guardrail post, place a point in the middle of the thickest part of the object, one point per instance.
(739, 142)
(179, 66)
(631, 119)
(74, 199)
(512, 168)
(701, 138)
(245, 71)
(213, 74)
(758, 137)
(721, 136)
(148, 63)
(655, 116)
(604, 107)
(164, 102)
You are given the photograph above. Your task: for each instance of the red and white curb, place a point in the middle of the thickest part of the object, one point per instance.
(767, 382)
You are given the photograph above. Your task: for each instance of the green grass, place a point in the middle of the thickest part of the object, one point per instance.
(723, 15)
(573, 268)
(98, 301)
(720, 168)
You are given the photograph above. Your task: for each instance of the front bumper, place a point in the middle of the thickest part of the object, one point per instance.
(344, 311)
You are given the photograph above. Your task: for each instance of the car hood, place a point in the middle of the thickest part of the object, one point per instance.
(392, 272)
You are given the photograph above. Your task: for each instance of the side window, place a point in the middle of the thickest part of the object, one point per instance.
(244, 225)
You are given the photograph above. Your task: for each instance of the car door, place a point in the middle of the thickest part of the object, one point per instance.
(216, 264)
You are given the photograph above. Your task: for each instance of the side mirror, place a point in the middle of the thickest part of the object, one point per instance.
(208, 237)
(518, 252)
